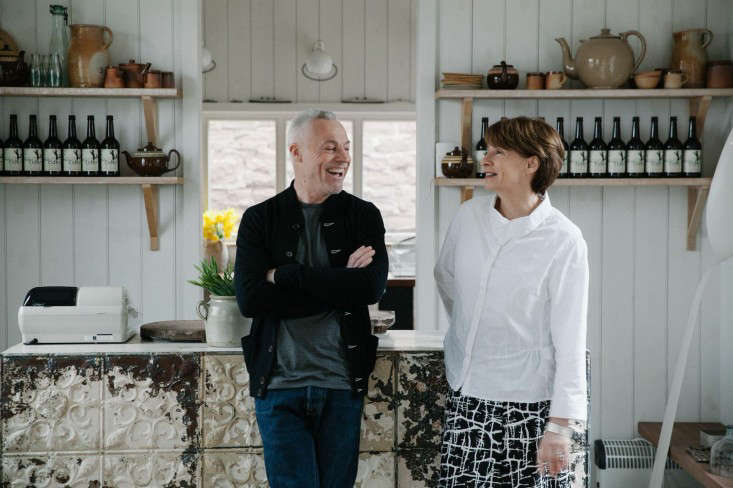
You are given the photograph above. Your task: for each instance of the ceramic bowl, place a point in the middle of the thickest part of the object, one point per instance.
(647, 79)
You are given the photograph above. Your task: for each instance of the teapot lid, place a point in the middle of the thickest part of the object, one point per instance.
(606, 34)
(150, 150)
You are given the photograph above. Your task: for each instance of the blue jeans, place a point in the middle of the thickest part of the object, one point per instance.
(310, 436)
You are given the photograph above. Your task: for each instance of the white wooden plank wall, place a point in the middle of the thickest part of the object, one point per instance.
(260, 45)
(642, 276)
(97, 235)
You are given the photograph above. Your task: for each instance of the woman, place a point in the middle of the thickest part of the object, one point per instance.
(513, 276)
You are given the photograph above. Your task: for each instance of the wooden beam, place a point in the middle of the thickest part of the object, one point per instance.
(467, 124)
(696, 198)
(150, 194)
(699, 108)
(151, 118)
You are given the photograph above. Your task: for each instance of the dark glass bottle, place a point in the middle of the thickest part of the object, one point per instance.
(109, 154)
(90, 151)
(32, 150)
(635, 152)
(13, 152)
(72, 151)
(481, 148)
(52, 150)
(598, 152)
(616, 152)
(673, 151)
(564, 169)
(692, 152)
(654, 152)
(578, 152)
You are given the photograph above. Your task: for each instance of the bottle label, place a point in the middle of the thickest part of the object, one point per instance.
(33, 159)
(673, 161)
(579, 162)
(692, 161)
(72, 160)
(90, 160)
(565, 161)
(52, 160)
(616, 161)
(598, 162)
(636, 161)
(110, 159)
(654, 161)
(13, 159)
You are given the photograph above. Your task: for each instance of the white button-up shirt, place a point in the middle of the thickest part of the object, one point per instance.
(516, 292)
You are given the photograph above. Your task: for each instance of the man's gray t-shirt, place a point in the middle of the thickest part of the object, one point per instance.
(309, 349)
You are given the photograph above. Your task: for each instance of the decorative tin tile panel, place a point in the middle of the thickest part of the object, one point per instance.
(229, 412)
(376, 470)
(234, 469)
(157, 469)
(378, 418)
(51, 403)
(418, 468)
(51, 471)
(421, 396)
(151, 402)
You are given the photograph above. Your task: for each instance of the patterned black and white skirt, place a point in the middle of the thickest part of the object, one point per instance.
(492, 444)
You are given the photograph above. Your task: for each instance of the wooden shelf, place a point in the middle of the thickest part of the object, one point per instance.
(148, 184)
(697, 193)
(586, 93)
(29, 91)
(685, 434)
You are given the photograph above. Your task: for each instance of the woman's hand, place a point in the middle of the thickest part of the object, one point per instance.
(553, 454)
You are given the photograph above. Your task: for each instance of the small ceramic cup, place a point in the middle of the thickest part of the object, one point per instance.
(674, 79)
(535, 81)
(167, 80)
(554, 80)
(152, 79)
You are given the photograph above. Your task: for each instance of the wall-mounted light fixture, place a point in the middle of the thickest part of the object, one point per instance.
(319, 66)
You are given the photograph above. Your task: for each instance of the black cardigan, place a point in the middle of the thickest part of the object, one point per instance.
(268, 238)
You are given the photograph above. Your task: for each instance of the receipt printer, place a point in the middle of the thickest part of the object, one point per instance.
(68, 314)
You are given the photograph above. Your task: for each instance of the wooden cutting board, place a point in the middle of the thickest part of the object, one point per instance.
(174, 331)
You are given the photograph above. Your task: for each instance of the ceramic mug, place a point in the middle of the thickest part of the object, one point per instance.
(535, 81)
(152, 79)
(554, 80)
(674, 79)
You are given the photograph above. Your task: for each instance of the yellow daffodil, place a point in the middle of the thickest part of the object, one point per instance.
(219, 225)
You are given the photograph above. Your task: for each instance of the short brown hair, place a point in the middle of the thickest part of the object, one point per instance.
(531, 137)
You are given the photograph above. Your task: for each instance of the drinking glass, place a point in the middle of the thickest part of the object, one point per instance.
(36, 70)
(54, 70)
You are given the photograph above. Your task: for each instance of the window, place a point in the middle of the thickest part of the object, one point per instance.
(248, 162)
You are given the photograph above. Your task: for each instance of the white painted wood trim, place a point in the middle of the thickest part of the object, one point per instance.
(357, 157)
(426, 297)
(401, 109)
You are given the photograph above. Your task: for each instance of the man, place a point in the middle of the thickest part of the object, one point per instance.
(309, 261)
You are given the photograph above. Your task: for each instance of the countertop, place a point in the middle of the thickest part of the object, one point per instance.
(397, 340)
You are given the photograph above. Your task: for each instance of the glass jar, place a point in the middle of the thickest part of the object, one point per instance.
(60, 40)
(721, 455)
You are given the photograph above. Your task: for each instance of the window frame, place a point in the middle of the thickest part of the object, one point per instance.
(281, 113)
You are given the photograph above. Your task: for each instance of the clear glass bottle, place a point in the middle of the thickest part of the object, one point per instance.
(721, 455)
(60, 38)
(36, 70)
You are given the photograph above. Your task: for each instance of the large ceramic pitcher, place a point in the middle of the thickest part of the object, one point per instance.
(689, 56)
(225, 325)
(88, 55)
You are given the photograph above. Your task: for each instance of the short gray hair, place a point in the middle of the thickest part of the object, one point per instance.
(303, 119)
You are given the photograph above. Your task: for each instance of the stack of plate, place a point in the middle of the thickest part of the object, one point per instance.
(462, 81)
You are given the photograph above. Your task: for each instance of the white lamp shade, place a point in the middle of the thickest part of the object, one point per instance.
(319, 65)
(719, 212)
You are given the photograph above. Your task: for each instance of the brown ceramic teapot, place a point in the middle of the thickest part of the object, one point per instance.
(151, 161)
(502, 77)
(134, 73)
(603, 61)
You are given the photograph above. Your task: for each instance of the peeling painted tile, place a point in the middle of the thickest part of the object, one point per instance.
(51, 403)
(376, 470)
(51, 471)
(156, 469)
(378, 418)
(229, 411)
(151, 402)
(421, 397)
(240, 468)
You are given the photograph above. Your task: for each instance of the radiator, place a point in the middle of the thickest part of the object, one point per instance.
(624, 463)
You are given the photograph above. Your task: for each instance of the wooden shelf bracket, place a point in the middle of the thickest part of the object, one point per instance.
(150, 194)
(150, 107)
(696, 198)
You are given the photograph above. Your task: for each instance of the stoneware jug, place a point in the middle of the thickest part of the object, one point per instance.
(88, 55)
(603, 61)
(689, 56)
(224, 323)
